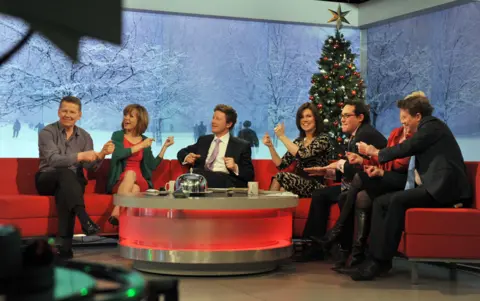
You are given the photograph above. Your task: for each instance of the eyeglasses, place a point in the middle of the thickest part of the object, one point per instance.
(345, 116)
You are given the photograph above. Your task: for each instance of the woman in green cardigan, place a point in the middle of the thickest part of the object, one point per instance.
(132, 160)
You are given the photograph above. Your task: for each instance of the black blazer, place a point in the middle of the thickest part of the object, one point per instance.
(365, 133)
(238, 149)
(438, 160)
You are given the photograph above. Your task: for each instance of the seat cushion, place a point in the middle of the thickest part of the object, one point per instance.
(442, 246)
(443, 221)
(36, 206)
(162, 174)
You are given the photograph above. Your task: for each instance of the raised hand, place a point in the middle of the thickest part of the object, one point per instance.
(147, 142)
(267, 141)
(280, 130)
(170, 141)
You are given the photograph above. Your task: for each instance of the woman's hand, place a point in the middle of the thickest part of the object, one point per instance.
(170, 141)
(280, 130)
(267, 141)
(147, 142)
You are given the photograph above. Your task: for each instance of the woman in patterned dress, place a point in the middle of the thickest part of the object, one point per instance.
(310, 149)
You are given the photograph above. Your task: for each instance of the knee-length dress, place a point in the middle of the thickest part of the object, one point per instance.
(133, 164)
(315, 154)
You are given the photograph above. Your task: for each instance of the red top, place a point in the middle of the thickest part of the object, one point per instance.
(133, 162)
(400, 165)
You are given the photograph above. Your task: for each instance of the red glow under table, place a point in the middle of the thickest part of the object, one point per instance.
(211, 235)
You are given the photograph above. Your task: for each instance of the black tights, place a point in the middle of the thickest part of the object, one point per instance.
(356, 196)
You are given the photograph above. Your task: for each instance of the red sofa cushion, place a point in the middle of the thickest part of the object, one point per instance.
(443, 221)
(162, 174)
(18, 175)
(454, 246)
(32, 206)
(473, 170)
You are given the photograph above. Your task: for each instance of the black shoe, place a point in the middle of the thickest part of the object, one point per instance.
(113, 220)
(371, 269)
(90, 228)
(331, 237)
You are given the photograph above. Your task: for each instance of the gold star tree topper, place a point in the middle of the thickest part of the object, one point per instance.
(339, 17)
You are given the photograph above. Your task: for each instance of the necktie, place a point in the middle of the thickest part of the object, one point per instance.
(411, 174)
(211, 160)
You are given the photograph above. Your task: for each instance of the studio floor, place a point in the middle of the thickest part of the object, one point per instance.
(310, 281)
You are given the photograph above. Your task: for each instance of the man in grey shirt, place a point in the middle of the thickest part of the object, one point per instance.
(65, 150)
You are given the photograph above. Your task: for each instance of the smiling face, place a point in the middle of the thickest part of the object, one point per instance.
(350, 121)
(409, 122)
(220, 126)
(68, 114)
(130, 121)
(307, 121)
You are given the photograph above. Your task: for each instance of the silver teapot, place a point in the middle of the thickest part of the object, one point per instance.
(191, 183)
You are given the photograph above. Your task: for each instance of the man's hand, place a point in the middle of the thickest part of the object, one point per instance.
(88, 156)
(280, 130)
(316, 171)
(374, 171)
(368, 150)
(191, 158)
(230, 163)
(267, 141)
(354, 158)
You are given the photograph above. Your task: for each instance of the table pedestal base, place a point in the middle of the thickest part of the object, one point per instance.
(206, 263)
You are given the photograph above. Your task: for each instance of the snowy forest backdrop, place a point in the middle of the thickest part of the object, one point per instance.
(178, 67)
(437, 53)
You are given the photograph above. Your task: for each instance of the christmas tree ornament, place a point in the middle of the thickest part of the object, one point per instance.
(311, 97)
(319, 106)
(338, 17)
(354, 92)
(325, 121)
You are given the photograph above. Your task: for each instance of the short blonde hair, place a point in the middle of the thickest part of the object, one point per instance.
(416, 103)
(142, 116)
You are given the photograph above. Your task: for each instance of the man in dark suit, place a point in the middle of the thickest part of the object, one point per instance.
(355, 120)
(224, 160)
(437, 178)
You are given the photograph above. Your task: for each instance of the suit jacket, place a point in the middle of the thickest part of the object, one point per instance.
(238, 149)
(438, 160)
(365, 133)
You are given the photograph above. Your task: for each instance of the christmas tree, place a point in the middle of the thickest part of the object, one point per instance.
(337, 82)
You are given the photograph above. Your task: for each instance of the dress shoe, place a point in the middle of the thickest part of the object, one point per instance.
(113, 220)
(90, 228)
(371, 269)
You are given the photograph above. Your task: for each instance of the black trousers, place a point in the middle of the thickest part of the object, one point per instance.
(319, 212)
(374, 187)
(220, 179)
(388, 219)
(68, 188)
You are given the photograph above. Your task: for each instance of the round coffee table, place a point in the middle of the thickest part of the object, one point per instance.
(211, 235)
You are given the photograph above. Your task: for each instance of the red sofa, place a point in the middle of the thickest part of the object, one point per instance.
(447, 235)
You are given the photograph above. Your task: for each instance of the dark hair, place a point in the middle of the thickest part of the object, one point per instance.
(361, 108)
(247, 123)
(416, 103)
(72, 99)
(318, 123)
(230, 113)
(142, 117)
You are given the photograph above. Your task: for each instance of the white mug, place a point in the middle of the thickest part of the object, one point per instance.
(170, 186)
(252, 188)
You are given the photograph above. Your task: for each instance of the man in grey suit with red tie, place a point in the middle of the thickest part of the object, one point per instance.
(224, 160)
(437, 178)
